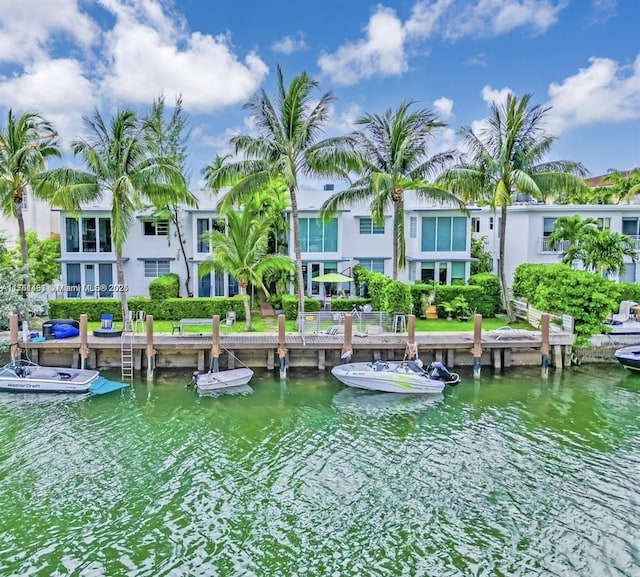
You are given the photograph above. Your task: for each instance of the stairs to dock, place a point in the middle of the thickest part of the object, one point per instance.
(126, 350)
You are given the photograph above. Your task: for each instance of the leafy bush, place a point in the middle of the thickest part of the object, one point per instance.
(376, 283)
(489, 301)
(557, 288)
(290, 306)
(629, 291)
(360, 276)
(166, 286)
(167, 309)
(344, 304)
(397, 297)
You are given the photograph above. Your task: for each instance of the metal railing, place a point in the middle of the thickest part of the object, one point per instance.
(325, 321)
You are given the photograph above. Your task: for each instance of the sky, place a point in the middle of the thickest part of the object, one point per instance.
(67, 58)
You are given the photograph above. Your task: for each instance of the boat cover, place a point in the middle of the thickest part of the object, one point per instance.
(101, 386)
(64, 331)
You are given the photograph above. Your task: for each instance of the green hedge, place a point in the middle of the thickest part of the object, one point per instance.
(397, 297)
(474, 295)
(489, 302)
(375, 286)
(166, 286)
(167, 309)
(290, 306)
(557, 288)
(348, 304)
(629, 291)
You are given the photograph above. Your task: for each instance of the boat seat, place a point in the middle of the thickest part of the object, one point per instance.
(45, 373)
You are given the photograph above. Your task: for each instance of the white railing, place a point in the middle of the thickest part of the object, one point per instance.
(560, 247)
(558, 323)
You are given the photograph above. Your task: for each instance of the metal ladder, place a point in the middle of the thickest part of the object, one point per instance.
(126, 350)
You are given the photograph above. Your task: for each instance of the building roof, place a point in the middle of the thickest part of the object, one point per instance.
(598, 180)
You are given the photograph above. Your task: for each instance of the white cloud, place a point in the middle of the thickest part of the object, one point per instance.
(446, 139)
(444, 107)
(345, 121)
(495, 17)
(150, 53)
(27, 27)
(57, 89)
(424, 17)
(289, 44)
(490, 96)
(381, 52)
(478, 60)
(602, 11)
(605, 91)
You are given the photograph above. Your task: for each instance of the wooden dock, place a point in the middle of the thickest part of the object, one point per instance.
(320, 351)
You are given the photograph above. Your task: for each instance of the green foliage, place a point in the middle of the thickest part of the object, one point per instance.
(461, 306)
(348, 304)
(165, 287)
(397, 297)
(629, 291)
(489, 301)
(44, 267)
(11, 300)
(360, 276)
(483, 262)
(477, 297)
(290, 306)
(375, 285)
(167, 309)
(557, 288)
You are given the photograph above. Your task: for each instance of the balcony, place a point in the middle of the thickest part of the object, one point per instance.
(563, 246)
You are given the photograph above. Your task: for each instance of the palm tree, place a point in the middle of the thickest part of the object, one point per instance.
(26, 142)
(506, 157)
(120, 164)
(624, 185)
(243, 253)
(167, 139)
(288, 146)
(391, 152)
(571, 230)
(602, 252)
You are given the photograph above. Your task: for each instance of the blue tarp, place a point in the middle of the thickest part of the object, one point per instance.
(102, 386)
(64, 331)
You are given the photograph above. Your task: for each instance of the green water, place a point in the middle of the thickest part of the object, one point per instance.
(511, 476)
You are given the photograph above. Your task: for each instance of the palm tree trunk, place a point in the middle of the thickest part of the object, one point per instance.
(296, 248)
(176, 222)
(501, 268)
(396, 243)
(247, 308)
(23, 246)
(121, 285)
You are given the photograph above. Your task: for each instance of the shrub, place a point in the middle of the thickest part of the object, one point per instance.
(489, 301)
(348, 304)
(290, 306)
(360, 276)
(629, 291)
(376, 283)
(397, 297)
(165, 287)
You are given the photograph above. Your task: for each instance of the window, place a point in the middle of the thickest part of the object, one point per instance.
(444, 233)
(475, 225)
(457, 273)
(155, 268)
(630, 226)
(367, 226)
(603, 223)
(88, 235)
(547, 226)
(490, 223)
(104, 232)
(73, 281)
(25, 200)
(413, 227)
(318, 236)
(202, 227)
(428, 272)
(372, 264)
(72, 235)
(155, 227)
(105, 274)
(412, 270)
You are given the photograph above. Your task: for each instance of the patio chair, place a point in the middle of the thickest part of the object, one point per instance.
(624, 314)
(230, 319)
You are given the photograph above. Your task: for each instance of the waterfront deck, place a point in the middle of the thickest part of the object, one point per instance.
(317, 350)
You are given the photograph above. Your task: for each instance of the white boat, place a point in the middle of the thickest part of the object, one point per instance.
(208, 382)
(396, 376)
(23, 376)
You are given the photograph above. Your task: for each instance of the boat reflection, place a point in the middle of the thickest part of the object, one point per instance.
(28, 399)
(374, 403)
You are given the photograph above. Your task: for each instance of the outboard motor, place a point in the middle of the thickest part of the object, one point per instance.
(194, 379)
(439, 372)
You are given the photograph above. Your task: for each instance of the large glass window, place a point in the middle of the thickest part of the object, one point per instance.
(457, 273)
(202, 227)
(104, 232)
(105, 274)
(428, 272)
(547, 226)
(74, 282)
(155, 268)
(88, 235)
(367, 226)
(155, 227)
(629, 274)
(444, 234)
(72, 235)
(630, 226)
(318, 236)
(204, 286)
(372, 264)
(412, 270)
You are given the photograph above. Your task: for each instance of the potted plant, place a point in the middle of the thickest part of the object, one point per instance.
(461, 308)
(449, 309)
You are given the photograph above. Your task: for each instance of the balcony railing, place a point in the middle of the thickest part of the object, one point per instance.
(563, 245)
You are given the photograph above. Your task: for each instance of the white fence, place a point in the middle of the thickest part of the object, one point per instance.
(558, 323)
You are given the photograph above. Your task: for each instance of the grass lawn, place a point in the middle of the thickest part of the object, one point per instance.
(258, 325)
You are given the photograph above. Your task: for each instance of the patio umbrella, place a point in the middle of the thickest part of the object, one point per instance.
(332, 277)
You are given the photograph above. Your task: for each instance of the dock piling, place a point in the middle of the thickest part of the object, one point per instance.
(347, 347)
(151, 353)
(477, 346)
(412, 347)
(544, 329)
(282, 349)
(13, 335)
(215, 343)
(84, 349)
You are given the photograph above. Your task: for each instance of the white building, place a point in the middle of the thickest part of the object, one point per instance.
(37, 216)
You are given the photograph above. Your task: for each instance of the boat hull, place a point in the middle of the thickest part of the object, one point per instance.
(207, 382)
(66, 381)
(629, 357)
(391, 378)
